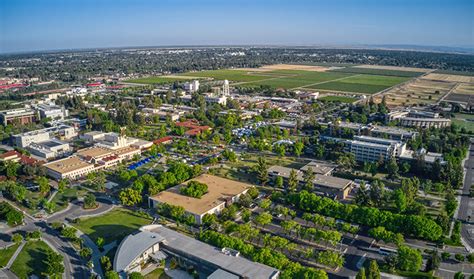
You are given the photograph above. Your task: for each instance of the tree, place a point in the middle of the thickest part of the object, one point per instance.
(112, 275)
(451, 203)
(69, 232)
(85, 252)
(361, 274)
(298, 148)
(90, 201)
(278, 182)
(194, 189)
(392, 168)
(130, 197)
(459, 275)
(280, 149)
(62, 184)
(262, 170)
(292, 180)
(43, 184)
(362, 195)
(308, 178)
(400, 200)
(346, 161)
(434, 261)
(263, 219)
(100, 242)
(209, 219)
(374, 272)
(106, 263)
(135, 275)
(54, 264)
(17, 238)
(408, 259)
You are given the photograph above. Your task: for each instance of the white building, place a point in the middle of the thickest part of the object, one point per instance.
(50, 149)
(59, 131)
(52, 111)
(370, 149)
(192, 86)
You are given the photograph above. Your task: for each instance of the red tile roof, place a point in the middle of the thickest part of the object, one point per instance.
(163, 140)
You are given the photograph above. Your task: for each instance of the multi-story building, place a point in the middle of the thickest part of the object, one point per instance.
(59, 131)
(52, 111)
(21, 116)
(192, 86)
(50, 149)
(394, 133)
(69, 168)
(371, 149)
(417, 118)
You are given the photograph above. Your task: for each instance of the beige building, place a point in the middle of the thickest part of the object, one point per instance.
(221, 192)
(69, 168)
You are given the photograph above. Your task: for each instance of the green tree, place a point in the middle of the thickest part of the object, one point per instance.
(392, 168)
(85, 252)
(43, 184)
(361, 274)
(374, 271)
(17, 238)
(298, 148)
(100, 242)
(62, 184)
(308, 178)
(90, 201)
(135, 275)
(278, 182)
(292, 180)
(112, 275)
(408, 259)
(130, 197)
(262, 170)
(400, 200)
(54, 264)
(106, 263)
(263, 219)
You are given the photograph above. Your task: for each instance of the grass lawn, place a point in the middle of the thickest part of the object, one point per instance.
(62, 199)
(232, 75)
(158, 273)
(6, 254)
(368, 84)
(30, 259)
(342, 99)
(114, 225)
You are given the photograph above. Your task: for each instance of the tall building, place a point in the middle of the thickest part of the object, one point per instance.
(192, 86)
(370, 149)
(225, 88)
(21, 116)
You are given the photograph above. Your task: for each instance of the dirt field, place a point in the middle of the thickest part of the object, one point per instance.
(449, 78)
(465, 88)
(393, 68)
(275, 67)
(420, 91)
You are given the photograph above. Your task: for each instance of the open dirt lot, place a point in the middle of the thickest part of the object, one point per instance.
(393, 68)
(449, 78)
(419, 91)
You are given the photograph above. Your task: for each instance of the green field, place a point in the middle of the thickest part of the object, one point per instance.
(158, 80)
(30, 259)
(231, 75)
(465, 121)
(158, 273)
(368, 84)
(6, 254)
(342, 99)
(378, 72)
(114, 225)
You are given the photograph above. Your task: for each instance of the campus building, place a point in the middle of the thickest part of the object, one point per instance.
(21, 116)
(394, 133)
(371, 149)
(221, 192)
(154, 243)
(69, 168)
(52, 111)
(191, 86)
(59, 131)
(418, 118)
(323, 183)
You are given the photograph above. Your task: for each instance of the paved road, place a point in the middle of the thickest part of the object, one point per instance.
(75, 210)
(466, 208)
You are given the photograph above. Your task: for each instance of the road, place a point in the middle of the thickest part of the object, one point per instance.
(75, 210)
(466, 207)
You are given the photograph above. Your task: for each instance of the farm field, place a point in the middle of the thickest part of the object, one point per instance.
(361, 84)
(159, 79)
(374, 71)
(465, 121)
(342, 99)
(231, 75)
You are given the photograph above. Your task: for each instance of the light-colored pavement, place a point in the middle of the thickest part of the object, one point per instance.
(466, 207)
(13, 258)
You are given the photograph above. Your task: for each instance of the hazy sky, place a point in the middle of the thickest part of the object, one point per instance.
(59, 24)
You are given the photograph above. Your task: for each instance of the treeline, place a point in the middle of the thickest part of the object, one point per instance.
(266, 256)
(409, 225)
(10, 214)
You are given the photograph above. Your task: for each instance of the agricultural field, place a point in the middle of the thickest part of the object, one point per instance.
(231, 75)
(382, 70)
(159, 79)
(342, 99)
(418, 91)
(369, 84)
(465, 121)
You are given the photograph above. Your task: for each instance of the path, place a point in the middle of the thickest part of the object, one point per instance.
(466, 207)
(13, 258)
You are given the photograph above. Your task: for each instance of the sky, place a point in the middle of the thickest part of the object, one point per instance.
(30, 25)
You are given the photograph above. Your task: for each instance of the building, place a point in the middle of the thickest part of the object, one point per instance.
(323, 184)
(63, 132)
(16, 156)
(21, 116)
(192, 86)
(193, 127)
(114, 140)
(221, 192)
(69, 168)
(156, 242)
(52, 111)
(418, 118)
(50, 149)
(371, 149)
(394, 133)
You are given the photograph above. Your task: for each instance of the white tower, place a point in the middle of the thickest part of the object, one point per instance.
(225, 88)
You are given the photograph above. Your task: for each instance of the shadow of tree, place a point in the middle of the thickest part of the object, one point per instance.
(111, 232)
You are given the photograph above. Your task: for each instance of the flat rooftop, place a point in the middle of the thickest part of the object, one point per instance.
(318, 167)
(218, 190)
(94, 152)
(67, 165)
(238, 265)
